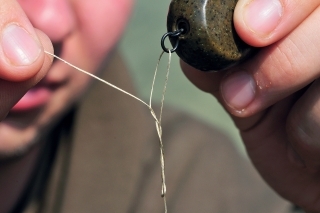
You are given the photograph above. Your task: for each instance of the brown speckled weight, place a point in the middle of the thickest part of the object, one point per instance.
(209, 41)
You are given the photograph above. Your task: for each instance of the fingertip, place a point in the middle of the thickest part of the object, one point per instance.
(255, 21)
(46, 47)
(21, 53)
(21, 49)
(47, 58)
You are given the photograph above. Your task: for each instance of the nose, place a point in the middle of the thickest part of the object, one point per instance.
(54, 17)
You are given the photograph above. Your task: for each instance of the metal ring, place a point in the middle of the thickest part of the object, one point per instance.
(171, 34)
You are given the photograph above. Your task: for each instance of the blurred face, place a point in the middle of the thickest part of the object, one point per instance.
(82, 32)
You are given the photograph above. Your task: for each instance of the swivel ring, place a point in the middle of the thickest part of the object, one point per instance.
(171, 34)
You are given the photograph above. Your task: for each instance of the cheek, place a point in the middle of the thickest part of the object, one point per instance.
(102, 22)
(80, 83)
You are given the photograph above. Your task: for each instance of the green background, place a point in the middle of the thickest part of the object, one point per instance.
(141, 49)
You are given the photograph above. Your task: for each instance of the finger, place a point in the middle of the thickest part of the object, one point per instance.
(206, 81)
(275, 72)
(22, 59)
(210, 82)
(303, 127)
(21, 52)
(11, 92)
(263, 22)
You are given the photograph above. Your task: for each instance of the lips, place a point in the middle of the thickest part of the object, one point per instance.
(34, 98)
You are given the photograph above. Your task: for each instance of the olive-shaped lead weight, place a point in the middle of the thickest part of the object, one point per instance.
(209, 41)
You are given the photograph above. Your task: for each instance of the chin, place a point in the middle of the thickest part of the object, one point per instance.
(15, 142)
(20, 131)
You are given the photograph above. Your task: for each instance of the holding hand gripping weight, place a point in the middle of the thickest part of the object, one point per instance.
(208, 40)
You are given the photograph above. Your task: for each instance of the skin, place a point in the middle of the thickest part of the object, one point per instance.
(277, 115)
(277, 111)
(83, 43)
(77, 36)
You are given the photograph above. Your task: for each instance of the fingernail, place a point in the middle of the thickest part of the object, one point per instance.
(238, 90)
(18, 45)
(263, 16)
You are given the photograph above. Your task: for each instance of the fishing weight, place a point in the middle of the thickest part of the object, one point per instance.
(208, 40)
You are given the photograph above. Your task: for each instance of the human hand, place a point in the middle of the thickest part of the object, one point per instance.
(23, 62)
(273, 98)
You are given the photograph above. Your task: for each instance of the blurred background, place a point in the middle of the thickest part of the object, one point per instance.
(141, 49)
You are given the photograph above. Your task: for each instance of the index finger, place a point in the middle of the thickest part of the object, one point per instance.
(263, 22)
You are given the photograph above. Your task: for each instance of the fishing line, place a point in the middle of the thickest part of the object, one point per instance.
(157, 119)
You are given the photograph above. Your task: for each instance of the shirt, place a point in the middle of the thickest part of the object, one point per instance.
(104, 157)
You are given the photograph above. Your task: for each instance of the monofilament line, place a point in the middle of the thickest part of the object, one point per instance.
(158, 125)
(157, 121)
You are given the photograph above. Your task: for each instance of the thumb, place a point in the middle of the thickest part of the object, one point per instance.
(22, 59)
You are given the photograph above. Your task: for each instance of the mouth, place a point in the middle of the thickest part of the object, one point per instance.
(40, 94)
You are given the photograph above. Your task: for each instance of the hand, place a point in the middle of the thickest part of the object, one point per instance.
(274, 97)
(22, 59)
